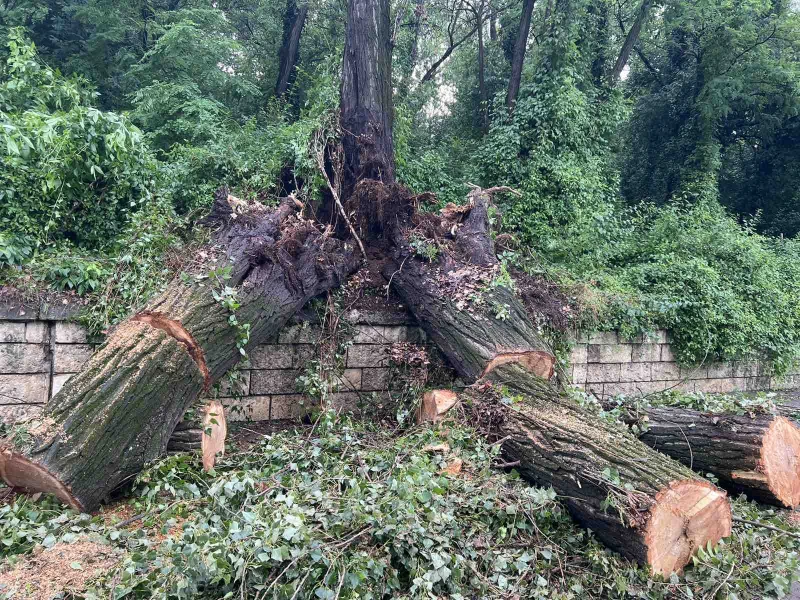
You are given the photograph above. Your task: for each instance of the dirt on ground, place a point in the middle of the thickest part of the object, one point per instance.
(63, 567)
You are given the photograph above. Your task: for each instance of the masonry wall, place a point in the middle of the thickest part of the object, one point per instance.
(606, 365)
(37, 356)
(40, 349)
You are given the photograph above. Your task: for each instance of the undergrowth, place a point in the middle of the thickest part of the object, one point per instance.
(344, 510)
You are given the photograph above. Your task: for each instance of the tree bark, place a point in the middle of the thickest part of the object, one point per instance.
(758, 456)
(639, 502)
(119, 412)
(366, 95)
(519, 53)
(483, 94)
(293, 22)
(630, 41)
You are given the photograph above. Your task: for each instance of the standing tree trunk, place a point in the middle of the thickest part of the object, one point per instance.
(366, 97)
(519, 53)
(119, 412)
(492, 22)
(630, 41)
(638, 502)
(758, 456)
(289, 54)
(483, 94)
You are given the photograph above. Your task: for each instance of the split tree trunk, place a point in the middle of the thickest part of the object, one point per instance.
(758, 456)
(119, 412)
(639, 502)
(293, 21)
(630, 42)
(519, 53)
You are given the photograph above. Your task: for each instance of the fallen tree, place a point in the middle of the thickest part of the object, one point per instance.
(638, 502)
(757, 455)
(120, 411)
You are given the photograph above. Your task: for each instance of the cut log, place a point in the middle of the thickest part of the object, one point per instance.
(639, 502)
(435, 404)
(187, 437)
(109, 420)
(758, 456)
(214, 432)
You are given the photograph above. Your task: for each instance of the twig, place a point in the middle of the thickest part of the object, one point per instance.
(505, 465)
(319, 154)
(691, 455)
(721, 583)
(389, 285)
(133, 519)
(765, 526)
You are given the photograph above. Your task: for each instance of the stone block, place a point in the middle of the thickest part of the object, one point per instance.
(659, 336)
(663, 371)
(12, 331)
(758, 384)
(578, 354)
(303, 333)
(609, 353)
(13, 413)
(603, 337)
(19, 311)
(36, 332)
(302, 354)
(787, 382)
(582, 337)
(249, 408)
(646, 353)
(635, 372)
(390, 315)
(579, 373)
(680, 385)
(293, 406)
(721, 386)
(596, 389)
(70, 333)
(24, 389)
(720, 370)
(283, 381)
(349, 402)
(364, 355)
(272, 356)
(58, 382)
(59, 310)
(375, 380)
(597, 373)
(24, 358)
(349, 380)
(238, 387)
(369, 334)
(696, 372)
(666, 354)
(746, 368)
(70, 358)
(633, 388)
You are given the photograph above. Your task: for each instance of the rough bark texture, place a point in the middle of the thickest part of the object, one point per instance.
(293, 22)
(366, 97)
(630, 41)
(483, 93)
(120, 411)
(519, 53)
(758, 456)
(639, 502)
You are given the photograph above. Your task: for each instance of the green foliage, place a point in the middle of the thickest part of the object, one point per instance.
(70, 171)
(354, 512)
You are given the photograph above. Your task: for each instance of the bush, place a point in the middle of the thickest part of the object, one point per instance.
(69, 171)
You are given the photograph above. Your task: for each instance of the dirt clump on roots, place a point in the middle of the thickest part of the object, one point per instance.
(61, 568)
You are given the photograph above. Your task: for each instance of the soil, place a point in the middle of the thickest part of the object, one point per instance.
(63, 567)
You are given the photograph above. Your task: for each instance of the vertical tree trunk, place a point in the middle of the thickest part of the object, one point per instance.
(630, 41)
(519, 53)
(492, 23)
(366, 98)
(483, 94)
(293, 22)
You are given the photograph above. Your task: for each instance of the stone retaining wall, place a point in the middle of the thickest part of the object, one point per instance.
(606, 365)
(40, 350)
(38, 356)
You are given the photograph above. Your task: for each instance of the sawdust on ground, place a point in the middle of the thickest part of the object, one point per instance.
(63, 567)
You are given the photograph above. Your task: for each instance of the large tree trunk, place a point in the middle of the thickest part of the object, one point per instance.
(109, 420)
(366, 102)
(639, 502)
(630, 41)
(758, 456)
(293, 22)
(483, 94)
(519, 53)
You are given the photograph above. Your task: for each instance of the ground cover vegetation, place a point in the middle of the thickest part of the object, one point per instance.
(650, 153)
